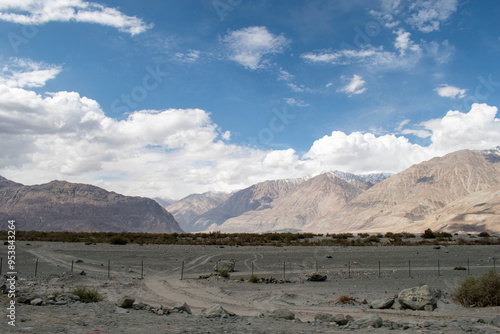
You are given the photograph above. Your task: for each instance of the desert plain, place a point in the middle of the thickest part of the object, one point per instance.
(162, 275)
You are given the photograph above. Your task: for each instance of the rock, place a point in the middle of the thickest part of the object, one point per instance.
(67, 298)
(323, 317)
(83, 273)
(79, 261)
(340, 319)
(437, 247)
(382, 303)
(225, 265)
(125, 302)
(370, 320)
(37, 302)
(24, 300)
(316, 277)
(495, 321)
(139, 306)
(120, 310)
(280, 314)
(429, 308)
(181, 307)
(416, 298)
(215, 311)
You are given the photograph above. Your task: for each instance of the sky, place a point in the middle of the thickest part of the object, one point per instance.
(164, 98)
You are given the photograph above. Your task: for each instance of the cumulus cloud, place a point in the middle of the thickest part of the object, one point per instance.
(250, 46)
(450, 91)
(355, 86)
(35, 12)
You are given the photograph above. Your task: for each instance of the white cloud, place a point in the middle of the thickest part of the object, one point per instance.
(450, 91)
(35, 12)
(27, 73)
(249, 46)
(344, 57)
(190, 57)
(355, 86)
(427, 15)
(295, 103)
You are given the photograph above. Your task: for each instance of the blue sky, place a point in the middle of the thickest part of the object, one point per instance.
(168, 98)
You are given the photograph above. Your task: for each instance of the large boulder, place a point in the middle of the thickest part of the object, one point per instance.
(181, 307)
(216, 311)
(316, 277)
(382, 303)
(370, 320)
(125, 302)
(225, 265)
(418, 298)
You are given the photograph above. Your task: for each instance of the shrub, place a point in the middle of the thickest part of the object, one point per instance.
(254, 279)
(459, 268)
(479, 292)
(118, 240)
(87, 295)
(428, 234)
(484, 235)
(224, 273)
(344, 299)
(242, 279)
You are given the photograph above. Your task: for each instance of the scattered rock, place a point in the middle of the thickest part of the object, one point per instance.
(418, 297)
(282, 313)
(83, 273)
(24, 300)
(216, 311)
(429, 308)
(495, 321)
(329, 256)
(125, 302)
(120, 310)
(370, 320)
(341, 320)
(67, 298)
(437, 247)
(323, 317)
(316, 277)
(382, 303)
(181, 307)
(225, 265)
(79, 261)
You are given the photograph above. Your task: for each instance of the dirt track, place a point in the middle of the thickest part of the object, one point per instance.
(352, 271)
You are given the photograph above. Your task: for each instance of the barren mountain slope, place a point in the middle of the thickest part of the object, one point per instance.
(315, 198)
(188, 209)
(256, 197)
(64, 206)
(413, 194)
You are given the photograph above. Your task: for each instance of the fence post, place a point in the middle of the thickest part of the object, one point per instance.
(108, 268)
(284, 270)
(439, 269)
(252, 268)
(72, 265)
(349, 269)
(36, 267)
(142, 269)
(378, 269)
(468, 267)
(1, 264)
(317, 270)
(494, 266)
(409, 268)
(182, 271)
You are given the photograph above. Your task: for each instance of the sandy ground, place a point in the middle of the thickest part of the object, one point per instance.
(352, 271)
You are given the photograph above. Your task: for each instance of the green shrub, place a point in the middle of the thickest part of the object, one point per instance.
(484, 235)
(224, 273)
(118, 240)
(254, 279)
(479, 292)
(87, 295)
(428, 234)
(242, 279)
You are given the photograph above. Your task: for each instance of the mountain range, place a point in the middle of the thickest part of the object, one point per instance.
(459, 191)
(64, 206)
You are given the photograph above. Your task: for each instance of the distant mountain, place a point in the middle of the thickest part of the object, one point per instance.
(408, 200)
(283, 205)
(64, 206)
(187, 210)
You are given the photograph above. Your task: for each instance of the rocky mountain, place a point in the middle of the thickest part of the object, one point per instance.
(64, 206)
(410, 200)
(188, 209)
(283, 205)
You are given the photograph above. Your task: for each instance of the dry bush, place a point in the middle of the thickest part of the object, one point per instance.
(345, 299)
(87, 295)
(479, 292)
(254, 279)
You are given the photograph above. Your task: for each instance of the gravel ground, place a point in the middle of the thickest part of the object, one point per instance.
(352, 271)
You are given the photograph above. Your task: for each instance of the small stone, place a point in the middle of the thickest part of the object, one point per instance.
(429, 307)
(340, 319)
(83, 273)
(216, 311)
(280, 314)
(67, 297)
(37, 302)
(370, 320)
(382, 303)
(323, 317)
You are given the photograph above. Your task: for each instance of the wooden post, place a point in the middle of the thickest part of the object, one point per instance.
(1, 264)
(349, 269)
(182, 271)
(468, 267)
(284, 274)
(72, 265)
(36, 267)
(439, 269)
(378, 269)
(108, 268)
(409, 268)
(252, 268)
(494, 266)
(317, 268)
(142, 269)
